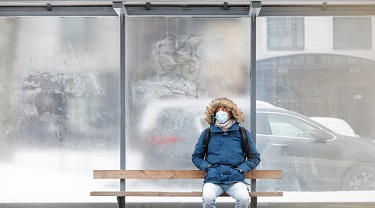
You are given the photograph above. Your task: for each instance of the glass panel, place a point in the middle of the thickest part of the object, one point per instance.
(59, 106)
(328, 92)
(175, 67)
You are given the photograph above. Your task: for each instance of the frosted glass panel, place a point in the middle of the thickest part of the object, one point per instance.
(59, 106)
(175, 67)
(327, 91)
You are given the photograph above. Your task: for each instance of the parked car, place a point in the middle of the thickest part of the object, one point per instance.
(311, 156)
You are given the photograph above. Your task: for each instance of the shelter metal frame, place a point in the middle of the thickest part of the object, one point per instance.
(191, 9)
(122, 10)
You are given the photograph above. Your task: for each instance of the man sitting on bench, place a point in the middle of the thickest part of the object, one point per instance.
(218, 153)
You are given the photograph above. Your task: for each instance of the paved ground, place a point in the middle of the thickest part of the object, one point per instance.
(185, 205)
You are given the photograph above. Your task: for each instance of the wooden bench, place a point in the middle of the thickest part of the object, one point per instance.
(175, 174)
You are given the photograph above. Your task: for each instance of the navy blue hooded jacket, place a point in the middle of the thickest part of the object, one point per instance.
(225, 154)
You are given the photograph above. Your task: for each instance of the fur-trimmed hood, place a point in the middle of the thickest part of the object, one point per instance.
(223, 102)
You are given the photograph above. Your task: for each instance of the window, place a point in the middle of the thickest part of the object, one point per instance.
(285, 33)
(352, 33)
(290, 126)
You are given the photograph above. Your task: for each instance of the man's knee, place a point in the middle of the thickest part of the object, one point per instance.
(208, 200)
(208, 197)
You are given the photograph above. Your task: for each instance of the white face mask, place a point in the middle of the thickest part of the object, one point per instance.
(221, 117)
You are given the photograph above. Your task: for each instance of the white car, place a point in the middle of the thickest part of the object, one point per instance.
(337, 125)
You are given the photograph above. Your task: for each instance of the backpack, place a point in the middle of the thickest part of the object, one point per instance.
(245, 142)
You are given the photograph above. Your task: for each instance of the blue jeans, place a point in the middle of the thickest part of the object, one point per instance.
(238, 191)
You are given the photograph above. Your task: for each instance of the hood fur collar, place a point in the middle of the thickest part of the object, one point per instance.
(228, 104)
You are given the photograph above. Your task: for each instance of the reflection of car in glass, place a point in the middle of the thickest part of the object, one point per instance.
(312, 157)
(337, 125)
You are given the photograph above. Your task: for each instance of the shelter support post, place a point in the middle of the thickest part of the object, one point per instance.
(255, 7)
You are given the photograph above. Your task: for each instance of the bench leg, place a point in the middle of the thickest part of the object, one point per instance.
(254, 202)
(121, 201)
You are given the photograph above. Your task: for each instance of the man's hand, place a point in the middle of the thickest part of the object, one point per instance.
(241, 171)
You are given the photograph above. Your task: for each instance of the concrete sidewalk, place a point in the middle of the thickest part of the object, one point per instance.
(185, 205)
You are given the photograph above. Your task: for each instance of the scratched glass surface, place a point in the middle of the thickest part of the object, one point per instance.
(175, 67)
(59, 106)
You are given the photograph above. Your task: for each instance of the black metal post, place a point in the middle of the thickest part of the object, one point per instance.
(121, 201)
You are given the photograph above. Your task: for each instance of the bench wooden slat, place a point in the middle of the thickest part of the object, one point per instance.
(172, 194)
(176, 174)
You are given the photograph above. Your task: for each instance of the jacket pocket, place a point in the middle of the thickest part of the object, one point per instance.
(236, 176)
(211, 174)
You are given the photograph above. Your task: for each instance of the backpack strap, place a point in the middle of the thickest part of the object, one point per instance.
(245, 142)
(205, 140)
